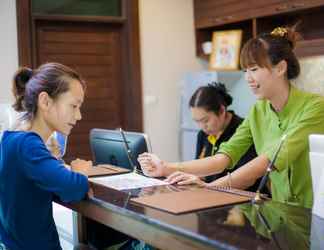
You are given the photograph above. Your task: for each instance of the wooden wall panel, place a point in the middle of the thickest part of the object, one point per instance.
(129, 113)
(92, 50)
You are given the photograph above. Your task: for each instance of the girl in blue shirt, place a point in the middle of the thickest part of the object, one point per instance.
(50, 98)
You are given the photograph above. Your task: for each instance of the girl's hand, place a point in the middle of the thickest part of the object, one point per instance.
(181, 178)
(80, 166)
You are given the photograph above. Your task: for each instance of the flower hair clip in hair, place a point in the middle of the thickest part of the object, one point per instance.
(279, 31)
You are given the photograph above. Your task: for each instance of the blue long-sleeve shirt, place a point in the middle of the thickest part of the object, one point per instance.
(29, 179)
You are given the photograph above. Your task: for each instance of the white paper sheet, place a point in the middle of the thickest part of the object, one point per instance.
(128, 181)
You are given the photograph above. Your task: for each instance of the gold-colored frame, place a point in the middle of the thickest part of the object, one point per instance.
(225, 50)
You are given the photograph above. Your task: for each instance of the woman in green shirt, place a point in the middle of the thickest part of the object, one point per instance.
(269, 63)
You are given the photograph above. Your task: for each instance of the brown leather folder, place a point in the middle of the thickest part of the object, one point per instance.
(190, 200)
(104, 169)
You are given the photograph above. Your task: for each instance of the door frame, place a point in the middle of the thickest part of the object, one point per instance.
(131, 66)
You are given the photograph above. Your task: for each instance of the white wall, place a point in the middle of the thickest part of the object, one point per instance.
(8, 48)
(167, 53)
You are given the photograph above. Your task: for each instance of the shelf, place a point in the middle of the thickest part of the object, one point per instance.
(309, 13)
(205, 34)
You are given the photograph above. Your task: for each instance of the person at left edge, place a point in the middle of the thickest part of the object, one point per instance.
(50, 98)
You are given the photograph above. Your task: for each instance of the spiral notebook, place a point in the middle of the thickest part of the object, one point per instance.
(193, 200)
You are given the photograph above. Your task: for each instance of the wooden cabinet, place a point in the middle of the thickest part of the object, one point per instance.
(304, 4)
(258, 16)
(210, 13)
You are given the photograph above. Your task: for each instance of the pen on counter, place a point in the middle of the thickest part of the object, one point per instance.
(229, 180)
(129, 195)
(130, 154)
(270, 167)
(107, 167)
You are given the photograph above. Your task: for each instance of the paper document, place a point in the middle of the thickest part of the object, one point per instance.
(128, 181)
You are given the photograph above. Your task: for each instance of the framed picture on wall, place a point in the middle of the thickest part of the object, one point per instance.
(225, 50)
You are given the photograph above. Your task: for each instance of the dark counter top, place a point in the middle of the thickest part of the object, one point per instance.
(271, 225)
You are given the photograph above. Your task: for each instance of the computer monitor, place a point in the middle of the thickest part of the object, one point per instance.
(108, 147)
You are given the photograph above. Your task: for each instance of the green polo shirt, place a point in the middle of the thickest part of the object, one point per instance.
(302, 115)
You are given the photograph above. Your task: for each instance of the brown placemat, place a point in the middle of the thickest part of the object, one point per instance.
(190, 200)
(104, 169)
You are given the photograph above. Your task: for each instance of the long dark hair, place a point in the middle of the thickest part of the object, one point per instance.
(211, 97)
(269, 49)
(52, 78)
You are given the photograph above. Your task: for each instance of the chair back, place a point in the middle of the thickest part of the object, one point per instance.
(316, 157)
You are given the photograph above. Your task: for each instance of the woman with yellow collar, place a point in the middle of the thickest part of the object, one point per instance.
(208, 106)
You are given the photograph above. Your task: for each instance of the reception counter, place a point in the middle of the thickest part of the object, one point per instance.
(270, 225)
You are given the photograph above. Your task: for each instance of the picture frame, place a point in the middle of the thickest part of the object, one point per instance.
(225, 50)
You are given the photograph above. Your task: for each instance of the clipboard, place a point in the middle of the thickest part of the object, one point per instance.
(104, 170)
(190, 200)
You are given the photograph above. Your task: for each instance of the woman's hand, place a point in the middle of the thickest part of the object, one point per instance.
(184, 179)
(151, 165)
(80, 166)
